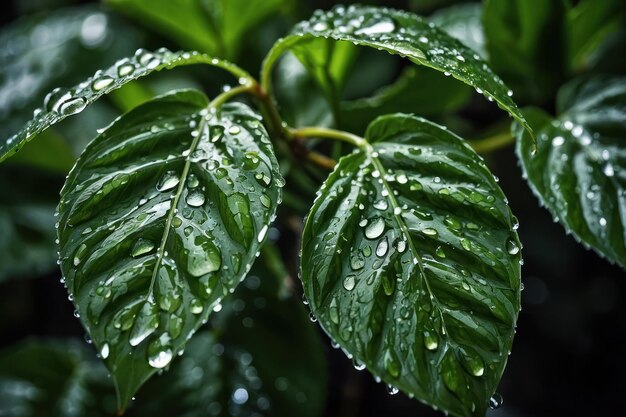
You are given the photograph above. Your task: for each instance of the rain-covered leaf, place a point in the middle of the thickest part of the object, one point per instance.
(463, 22)
(267, 360)
(27, 203)
(411, 262)
(60, 48)
(394, 31)
(211, 26)
(160, 218)
(61, 103)
(46, 378)
(526, 45)
(418, 90)
(579, 172)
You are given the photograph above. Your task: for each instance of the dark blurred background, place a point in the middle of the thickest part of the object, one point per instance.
(567, 354)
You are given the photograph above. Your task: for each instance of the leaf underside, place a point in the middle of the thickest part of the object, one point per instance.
(411, 262)
(397, 32)
(161, 217)
(579, 171)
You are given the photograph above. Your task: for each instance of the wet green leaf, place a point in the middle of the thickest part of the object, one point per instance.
(411, 262)
(394, 31)
(579, 172)
(160, 218)
(463, 22)
(47, 378)
(62, 103)
(48, 50)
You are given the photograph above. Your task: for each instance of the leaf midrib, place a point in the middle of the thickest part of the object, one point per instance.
(404, 229)
(174, 205)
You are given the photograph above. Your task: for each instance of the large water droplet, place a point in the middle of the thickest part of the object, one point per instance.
(430, 341)
(512, 247)
(381, 249)
(104, 352)
(195, 199)
(380, 27)
(141, 247)
(160, 352)
(146, 323)
(349, 282)
(168, 181)
(375, 228)
(195, 306)
(101, 83)
(73, 106)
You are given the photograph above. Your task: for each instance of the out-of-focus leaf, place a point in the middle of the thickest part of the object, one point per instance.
(419, 90)
(463, 22)
(411, 262)
(396, 32)
(53, 378)
(579, 172)
(267, 360)
(526, 45)
(62, 103)
(27, 234)
(46, 51)
(589, 23)
(213, 26)
(160, 218)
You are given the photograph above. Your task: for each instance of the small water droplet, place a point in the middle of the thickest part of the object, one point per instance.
(168, 181)
(195, 306)
(195, 199)
(511, 247)
(349, 282)
(496, 401)
(101, 83)
(104, 352)
(141, 247)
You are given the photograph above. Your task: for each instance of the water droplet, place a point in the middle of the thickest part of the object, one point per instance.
(73, 106)
(160, 352)
(430, 341)
(375, 228)
(430, 232)
(168, 181)
(358, 365)
(381, 205)
(195, 306)
(146, 323)
(349, 282)
(234, 130)
(78, 255)
(380, 27)
(400, 245)
(125, 69)
(496, 401)
(101, 83)
(262, 233)
(381, 249)
(141, 247)
(511, 247)
(602, 221)
(440, 252)
(104, 352)
(392, 390)
(195, 199)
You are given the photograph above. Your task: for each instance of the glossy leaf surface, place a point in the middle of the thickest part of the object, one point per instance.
(579, 173)
(463, 22)
(411, 262)
(61, 103)
(396, 32)
(160, 218)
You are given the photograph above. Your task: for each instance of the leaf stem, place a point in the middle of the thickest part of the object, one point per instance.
(492, 143)
(323, 132)
(248, 87)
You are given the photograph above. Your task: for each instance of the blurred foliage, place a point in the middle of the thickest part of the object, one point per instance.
(572, 309)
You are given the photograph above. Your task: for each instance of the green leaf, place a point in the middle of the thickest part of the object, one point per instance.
(526, 45)
(47, 378)
(589, 23)
(59, 48)
(463, 22)
(579, 170)
(251, 365)
(160, 218)
(411, 262)
(418, 90)
(212, 26)
(27, 205)
(396, 32)
(61, 103)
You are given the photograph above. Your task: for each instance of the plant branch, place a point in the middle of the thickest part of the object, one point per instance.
(322, 132)
(492, 143)
(227, 95)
